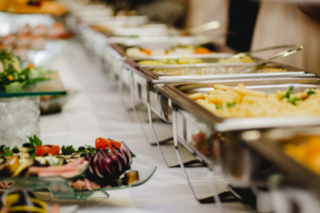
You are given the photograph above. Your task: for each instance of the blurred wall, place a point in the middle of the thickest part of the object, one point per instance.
(282, 23)
(203, 11)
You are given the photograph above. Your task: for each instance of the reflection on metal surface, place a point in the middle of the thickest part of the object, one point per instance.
(205, 27)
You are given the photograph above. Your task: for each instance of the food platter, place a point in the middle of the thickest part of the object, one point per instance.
(60, 189)
(70, 173)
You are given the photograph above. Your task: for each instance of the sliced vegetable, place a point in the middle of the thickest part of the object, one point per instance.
(24, 164)
(46, 150)
(10, 166)
(108, 164)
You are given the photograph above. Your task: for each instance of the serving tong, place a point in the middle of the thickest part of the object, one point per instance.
(241, 54)
(263, 61)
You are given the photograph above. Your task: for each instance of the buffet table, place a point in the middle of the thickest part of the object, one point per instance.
(97, 111)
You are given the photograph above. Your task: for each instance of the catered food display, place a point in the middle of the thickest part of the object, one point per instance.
(14, 78)
(86, 167)
(176, 50)
(33, 38)
(231, 102)
(33, 6)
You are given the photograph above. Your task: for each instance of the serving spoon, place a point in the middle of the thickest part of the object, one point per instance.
(263, 61)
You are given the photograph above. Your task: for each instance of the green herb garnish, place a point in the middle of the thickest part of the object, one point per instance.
(311, 92)
(229, 105)
(294, 100)
(35, 141)
(218, 107)
(5, 151)
(67, 149)
(288, 93)
(91, 149)
(45, 154)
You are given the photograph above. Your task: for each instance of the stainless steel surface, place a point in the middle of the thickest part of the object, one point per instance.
(178, 94)
(269, 145)
(144, 81)
(279, 55)
(218, 140)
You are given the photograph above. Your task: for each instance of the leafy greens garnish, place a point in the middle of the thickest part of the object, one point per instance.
(91, 149)
(218, 107)
(35, 141)
(67, 149)
(5, 151)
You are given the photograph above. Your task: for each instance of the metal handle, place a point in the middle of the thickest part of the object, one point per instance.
(238, 55)
(204, 27)
(263, 61)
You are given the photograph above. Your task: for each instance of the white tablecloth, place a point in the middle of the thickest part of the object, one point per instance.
(98, 112)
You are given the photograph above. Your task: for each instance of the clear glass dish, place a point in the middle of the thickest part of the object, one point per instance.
(60, 188)
(52, 87)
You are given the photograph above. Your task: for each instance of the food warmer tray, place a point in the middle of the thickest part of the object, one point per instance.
(268, 145)
(114, 53)
(143, 81)
(221, 146)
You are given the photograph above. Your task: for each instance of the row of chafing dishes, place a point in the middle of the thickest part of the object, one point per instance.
(246, 150)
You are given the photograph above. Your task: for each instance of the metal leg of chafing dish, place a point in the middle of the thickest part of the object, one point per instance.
(135, 108)
(159, 143)
(216, 198)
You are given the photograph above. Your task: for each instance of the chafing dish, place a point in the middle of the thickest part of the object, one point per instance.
(144, 80)
(276, 144)
(144, 88)
(234, 147)
(190, 119)
(115, 53)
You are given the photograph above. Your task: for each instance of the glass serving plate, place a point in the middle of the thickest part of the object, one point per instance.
(60, 188)
(52, 87)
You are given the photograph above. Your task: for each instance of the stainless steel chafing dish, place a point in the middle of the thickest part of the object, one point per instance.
(191, 121)
(143, 87)
(143, 80)
(295, 185)
(271, 145)
(114, 53)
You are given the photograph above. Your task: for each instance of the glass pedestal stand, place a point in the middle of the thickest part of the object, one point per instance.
(20, 113)
(19, 117)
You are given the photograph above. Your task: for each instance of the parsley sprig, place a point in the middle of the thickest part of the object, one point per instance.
(34, 141)
(5, 151)
(288, 93)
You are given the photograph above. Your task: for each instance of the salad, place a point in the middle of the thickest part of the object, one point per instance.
(14, 78)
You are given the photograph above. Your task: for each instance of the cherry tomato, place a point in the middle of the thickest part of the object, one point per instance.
(101, 143)
(47, 149)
